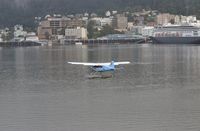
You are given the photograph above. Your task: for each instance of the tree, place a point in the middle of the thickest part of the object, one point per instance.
(91, 30)
(3, 36)
(172, 21)
(7, 36)
(25, 13)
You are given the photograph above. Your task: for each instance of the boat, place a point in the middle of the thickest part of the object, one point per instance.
(176, 35)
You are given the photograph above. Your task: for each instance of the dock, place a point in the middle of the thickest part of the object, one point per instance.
(104, 41)
(18, 44)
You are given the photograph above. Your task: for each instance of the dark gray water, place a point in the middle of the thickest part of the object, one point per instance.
(159, 91)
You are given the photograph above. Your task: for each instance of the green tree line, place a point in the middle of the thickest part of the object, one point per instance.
(12, 13)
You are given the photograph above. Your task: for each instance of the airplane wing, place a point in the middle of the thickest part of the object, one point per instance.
(98, 64)
(122, 63)
(88, 64)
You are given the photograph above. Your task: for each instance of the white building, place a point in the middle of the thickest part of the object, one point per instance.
(76, 33)
(147, 31)
(191, 19)
(163, 19)
(197, 23)
(102, 21)
(183, 19)
(136, 30)
(105, 21)
(19, 33)
(108, 14)
(177, 19)
(114, 12)
(142, 30)
(32, 37)
(130, 25)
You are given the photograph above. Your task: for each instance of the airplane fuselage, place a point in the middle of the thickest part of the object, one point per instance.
(103, 68)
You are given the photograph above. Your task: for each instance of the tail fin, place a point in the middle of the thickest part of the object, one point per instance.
(112, 64)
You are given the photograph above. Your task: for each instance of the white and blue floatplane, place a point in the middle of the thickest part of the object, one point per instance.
(101, 67)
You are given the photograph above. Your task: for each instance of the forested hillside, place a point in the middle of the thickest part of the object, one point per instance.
(23, 11)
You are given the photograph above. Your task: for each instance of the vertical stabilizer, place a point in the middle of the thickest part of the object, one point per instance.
(112, 64)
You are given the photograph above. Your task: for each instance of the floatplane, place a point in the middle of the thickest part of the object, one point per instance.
(101, 68)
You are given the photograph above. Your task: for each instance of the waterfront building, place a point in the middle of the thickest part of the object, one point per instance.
(142, 30)
(191, 19)
(120, 22)
(102, 21)
(31, 36)
(76, 33)
(136, 30)
(73, 23)
(147, 31)
(130, 25)
(127, 36)
(196, 24)
(114, 12)
(183, 19)
(44, 30)
(152, 23)
(108, 13)
(54, 26)
(163, 19)
(106, 21)
(19, 33)
(139, 20)
(177, 19)
(47, 16)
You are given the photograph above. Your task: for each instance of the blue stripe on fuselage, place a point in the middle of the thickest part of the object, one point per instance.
(103, 68)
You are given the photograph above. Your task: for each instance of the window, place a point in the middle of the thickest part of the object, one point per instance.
(195, 33)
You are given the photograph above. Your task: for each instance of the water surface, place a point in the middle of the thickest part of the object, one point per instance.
(158, 91)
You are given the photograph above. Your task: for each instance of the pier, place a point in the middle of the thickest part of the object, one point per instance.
(105, 41)
(16, 44)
